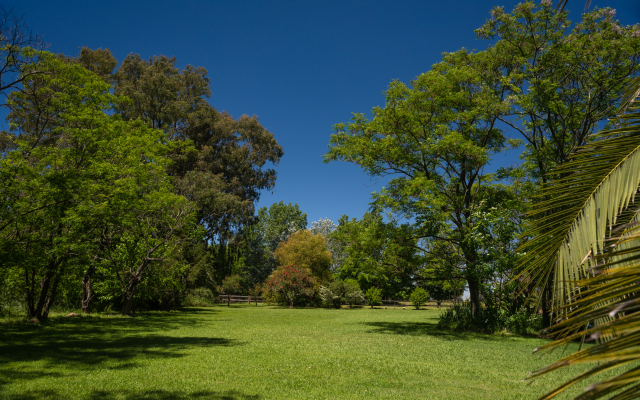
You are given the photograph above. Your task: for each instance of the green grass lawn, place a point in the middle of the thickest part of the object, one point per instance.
(248, 352)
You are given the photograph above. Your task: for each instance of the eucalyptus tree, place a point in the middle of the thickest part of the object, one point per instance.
(325, 227)
(226, 169)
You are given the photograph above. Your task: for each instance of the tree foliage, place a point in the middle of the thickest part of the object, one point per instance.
(273, 226)
(290, 282)
(307, 250)
(590, 247)
(72, 171)
(418, 298)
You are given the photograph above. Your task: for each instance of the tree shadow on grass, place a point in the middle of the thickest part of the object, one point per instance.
(76, 344)
(141, 395)
(428, 329)
(85, 325)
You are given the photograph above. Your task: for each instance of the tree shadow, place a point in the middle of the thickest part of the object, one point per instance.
(81, 343)
(428, 329)
(142, 395)
(171, 395)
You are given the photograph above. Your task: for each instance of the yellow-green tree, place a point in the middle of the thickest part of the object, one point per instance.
(307, 250)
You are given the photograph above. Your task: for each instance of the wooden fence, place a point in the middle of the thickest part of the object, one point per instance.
(385, 303)
(407, 303)
(240, 299)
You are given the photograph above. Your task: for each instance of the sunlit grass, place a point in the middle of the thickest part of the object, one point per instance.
(248, 352)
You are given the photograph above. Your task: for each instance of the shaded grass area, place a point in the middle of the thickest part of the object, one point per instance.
(248, 352)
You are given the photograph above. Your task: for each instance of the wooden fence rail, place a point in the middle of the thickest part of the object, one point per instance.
(393, 303)
(240, 299)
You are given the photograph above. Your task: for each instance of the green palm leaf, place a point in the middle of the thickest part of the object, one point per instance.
(591, 195)
(587, 236)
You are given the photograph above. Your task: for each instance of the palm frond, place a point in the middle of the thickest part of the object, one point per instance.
(587, 236)
(589, 197)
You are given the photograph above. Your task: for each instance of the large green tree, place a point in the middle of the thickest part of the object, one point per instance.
(562, 80)
(227, 168)
(69, 166)
(378, 254)
(436, 137)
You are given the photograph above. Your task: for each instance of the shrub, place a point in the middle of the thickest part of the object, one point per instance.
(255, 292)
(374, 296)
(419, 297)
(329, 297)
(230, 285)
(201, 297)
(353, 295)
(289, 282)
(341, 292)
(489, 320)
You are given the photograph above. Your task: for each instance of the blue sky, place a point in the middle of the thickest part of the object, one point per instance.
(300, 66)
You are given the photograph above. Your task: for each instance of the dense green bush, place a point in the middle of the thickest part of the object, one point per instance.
(201, 297)
(340, 292)
(374, 296)
(419, 297)
(489, 320)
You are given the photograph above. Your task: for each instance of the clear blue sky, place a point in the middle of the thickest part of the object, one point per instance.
(300, 66)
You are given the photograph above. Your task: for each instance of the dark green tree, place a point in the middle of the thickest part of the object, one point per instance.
(274, 225)
(226, 170)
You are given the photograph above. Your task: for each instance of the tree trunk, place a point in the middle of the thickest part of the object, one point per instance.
(474, 294)
(127, 306)
(87, 291)
(228, 300)
(30, 294)
(45, 284)
(51, 296)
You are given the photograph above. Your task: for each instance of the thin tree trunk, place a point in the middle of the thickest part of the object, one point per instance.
(474, 294)
(87, 291)
(45, 283)
(30, 285)
(51, 296)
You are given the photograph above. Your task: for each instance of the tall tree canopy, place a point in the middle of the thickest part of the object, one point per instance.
(274, 226)
(436, 136)
(72, 170)
(226, 169)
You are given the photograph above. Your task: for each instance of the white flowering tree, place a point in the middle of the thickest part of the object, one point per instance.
(324, 227)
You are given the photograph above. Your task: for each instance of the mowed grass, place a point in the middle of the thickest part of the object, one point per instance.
(248, 352)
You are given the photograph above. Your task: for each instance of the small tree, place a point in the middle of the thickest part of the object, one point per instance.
(419, 297)
(230, 285)
(342, 292)
(374, 296)
(306, 250)
(255, 292)
(290, 281)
